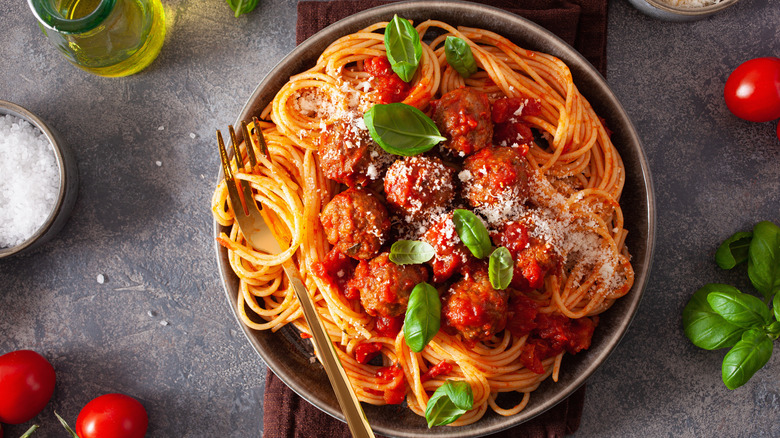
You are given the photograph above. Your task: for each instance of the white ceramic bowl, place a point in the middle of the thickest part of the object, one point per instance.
(69, 182)
(662, 11)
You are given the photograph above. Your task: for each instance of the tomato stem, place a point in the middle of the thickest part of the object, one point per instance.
(66, 426)
(30, 431)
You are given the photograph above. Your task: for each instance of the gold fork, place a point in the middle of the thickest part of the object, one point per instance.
(252, 223)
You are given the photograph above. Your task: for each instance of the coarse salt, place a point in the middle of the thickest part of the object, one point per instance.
(29, 180)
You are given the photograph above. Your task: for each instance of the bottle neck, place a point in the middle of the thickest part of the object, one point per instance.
(50, 15)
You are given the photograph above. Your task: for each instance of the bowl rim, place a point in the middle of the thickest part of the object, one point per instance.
(585, 72)
(10, 108)
(695, 11)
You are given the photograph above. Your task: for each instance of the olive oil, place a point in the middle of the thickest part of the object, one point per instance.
(74, 9)
(107, 37)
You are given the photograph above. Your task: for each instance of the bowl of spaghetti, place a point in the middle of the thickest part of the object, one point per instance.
(550, 164)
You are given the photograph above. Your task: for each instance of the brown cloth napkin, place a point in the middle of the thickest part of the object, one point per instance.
(582, 24)
(288, 415)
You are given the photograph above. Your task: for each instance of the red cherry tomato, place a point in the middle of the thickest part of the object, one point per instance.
(778, 130)
(26, 385)
(752, 91)
(112, 416)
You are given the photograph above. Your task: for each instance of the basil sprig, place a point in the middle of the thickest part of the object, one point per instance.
(764, 258)
(401, 129)
(403, 47)
(410, 252)
(740, 309)
(720, 316)
(423, 316)
(734, 250)
(240, 7)
(459, 56)
(749, 355)
(472, 233)
(705, 327)
(448, 403)
(501, 268)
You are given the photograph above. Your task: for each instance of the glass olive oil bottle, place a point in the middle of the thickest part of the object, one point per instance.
(105, 37)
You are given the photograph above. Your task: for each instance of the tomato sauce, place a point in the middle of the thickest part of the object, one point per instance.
(554, 334)
(395, 393)
(367, 351)
(388, 326)
(509, 129)
(522, 311)
(337, 269)
(437, 370)
(390, 88)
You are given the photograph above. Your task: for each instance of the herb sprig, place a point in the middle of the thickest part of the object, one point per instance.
(241, 7)
(720, 316)
(448, 403)
(403, 47)
(423, 316)
(401, 129)
(459, 56)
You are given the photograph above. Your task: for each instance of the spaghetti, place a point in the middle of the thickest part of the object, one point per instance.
(576, 264)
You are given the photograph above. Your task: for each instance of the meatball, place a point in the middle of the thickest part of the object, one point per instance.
(416, 185)
(451, 253)
(473, 308)
(349, 155)
(534, 257)
(463, 116)
(495, 175)
(384, 286)
(356, 222)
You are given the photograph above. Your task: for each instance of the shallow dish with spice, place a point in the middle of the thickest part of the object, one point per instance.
(681, 10)
(38, 181)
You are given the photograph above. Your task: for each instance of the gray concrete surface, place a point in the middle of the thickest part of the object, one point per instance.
(159, 327)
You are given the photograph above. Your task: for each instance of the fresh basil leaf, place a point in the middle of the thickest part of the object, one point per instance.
(740, 309)
(460, 394)
(749, 355)
(403, 47)
(705, 328)
(448, 403)
(773, 330)
(472, 233)
(242, 6)
(733, 250)
(411, 252)
(401, 129)
(776, 306)
(459, 56)
(501, 267)
(423, 316)
(764, 258)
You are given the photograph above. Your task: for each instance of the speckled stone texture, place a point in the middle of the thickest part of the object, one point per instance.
(159, 327)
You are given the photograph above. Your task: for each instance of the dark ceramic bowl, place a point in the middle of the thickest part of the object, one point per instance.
(69, 182)
(288, 356)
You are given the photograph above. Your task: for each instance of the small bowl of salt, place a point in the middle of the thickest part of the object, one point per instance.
(38, 181)
(681, 10)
